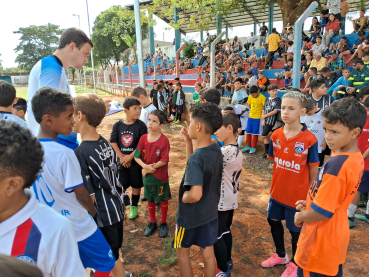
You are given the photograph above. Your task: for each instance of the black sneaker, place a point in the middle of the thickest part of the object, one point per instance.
(157, 203)
(150, 229)
(163, 230)
(264, 156)
(143, 198)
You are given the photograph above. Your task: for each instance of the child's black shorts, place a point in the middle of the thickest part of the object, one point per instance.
(267, 129)
(225, 219)
(131, 177)
(202, 236)
(114, 236)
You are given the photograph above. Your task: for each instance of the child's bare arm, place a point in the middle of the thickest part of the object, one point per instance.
(84, 199)
(193, 195)
(271, 113)
(116, 149)
(189, 145)
(308, 217)
(366, 154)
(159, 164)
(313, 171)
(148, 168)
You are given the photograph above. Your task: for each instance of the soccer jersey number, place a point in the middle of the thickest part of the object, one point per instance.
(161, 190)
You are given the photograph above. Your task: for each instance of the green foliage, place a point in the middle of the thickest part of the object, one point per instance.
(36, 42)
(114, 33)
(188, 52)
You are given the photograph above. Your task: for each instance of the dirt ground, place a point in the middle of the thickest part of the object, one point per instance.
(252, 241)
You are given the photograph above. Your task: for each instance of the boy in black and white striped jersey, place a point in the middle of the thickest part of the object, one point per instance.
(269, 116)
(99, 169)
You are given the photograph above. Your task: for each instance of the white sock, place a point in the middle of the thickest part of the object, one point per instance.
(240, 139)
(367, 207)
(351, 210)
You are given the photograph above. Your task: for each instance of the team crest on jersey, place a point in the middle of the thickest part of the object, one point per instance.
(127, 140)
(158, 153)
(299, 147)
(26, 258)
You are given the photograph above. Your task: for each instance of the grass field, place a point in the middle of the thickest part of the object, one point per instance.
(22, 91)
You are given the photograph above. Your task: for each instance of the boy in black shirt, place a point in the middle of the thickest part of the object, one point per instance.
(124, 139)
(99, 172)
(154, 95)
(199, 192)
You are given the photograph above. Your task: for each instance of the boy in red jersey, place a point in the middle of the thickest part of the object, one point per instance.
(325, 234)
(152, 154)
(363, 145)
(295, 152)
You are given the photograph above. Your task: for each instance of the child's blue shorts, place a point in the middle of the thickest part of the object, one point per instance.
(364, 184)
(254, 126)
(300, 273)
(279, 212)
(96, 253)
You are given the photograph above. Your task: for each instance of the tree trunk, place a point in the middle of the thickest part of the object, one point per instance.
(292, 9)
(73, 72)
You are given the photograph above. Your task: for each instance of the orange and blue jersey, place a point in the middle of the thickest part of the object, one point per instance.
(292, 159)
(322, 245)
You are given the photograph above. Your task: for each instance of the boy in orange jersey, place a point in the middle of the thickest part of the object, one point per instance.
(325, 230)
(295, 152)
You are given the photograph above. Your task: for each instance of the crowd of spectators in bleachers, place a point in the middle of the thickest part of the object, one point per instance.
(322, 57)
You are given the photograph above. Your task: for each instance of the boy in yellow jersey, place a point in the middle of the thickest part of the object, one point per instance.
(256, 103)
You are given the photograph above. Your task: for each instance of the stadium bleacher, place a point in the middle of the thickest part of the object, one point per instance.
(189, 76)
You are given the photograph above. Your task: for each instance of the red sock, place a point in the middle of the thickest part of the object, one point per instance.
(164, 211)
(248, 140)
(152, 208)
(101, 274)
(254, 141)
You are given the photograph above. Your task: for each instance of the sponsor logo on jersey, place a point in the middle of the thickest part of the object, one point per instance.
(277, 144)
(285, 150)
(158, 153)
(287, 165)
(299, 147)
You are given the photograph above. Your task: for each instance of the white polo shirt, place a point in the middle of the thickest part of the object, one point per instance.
(61, 173)
(314, 124)
(38, 235)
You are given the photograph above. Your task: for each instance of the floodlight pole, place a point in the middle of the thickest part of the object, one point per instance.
(212, 59)
(298, 43)
(79, 26)
(139, 43)
(92, 56)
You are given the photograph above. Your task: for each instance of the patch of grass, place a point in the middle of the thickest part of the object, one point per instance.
(171, 183)
(270, 271)
(143, 274)
(21, 92)
(169, 256)
(130, 244)
(244, 260)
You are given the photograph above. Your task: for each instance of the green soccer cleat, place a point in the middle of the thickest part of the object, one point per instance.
(246, 149)
(133, 212)
(252, 150)
(362, 217)
(351, 222)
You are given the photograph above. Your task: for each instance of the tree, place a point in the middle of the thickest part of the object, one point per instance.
(199, 14)
(1, 61)
(106, 51)
(112, 35)
(132, 47)
(36, 42)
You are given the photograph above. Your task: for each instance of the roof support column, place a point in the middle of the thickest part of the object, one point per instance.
(151, 36)
(255, 28)
(270, 17)
(219, 24)
(201, 36)
(177, 32)
(139, 43)
(226, 31)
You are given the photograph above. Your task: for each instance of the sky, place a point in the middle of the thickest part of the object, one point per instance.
(40, 12)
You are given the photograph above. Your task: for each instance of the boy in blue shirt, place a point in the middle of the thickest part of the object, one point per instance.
(239, 94)
(339, 87)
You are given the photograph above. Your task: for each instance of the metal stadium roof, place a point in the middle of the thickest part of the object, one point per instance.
(252, 14)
